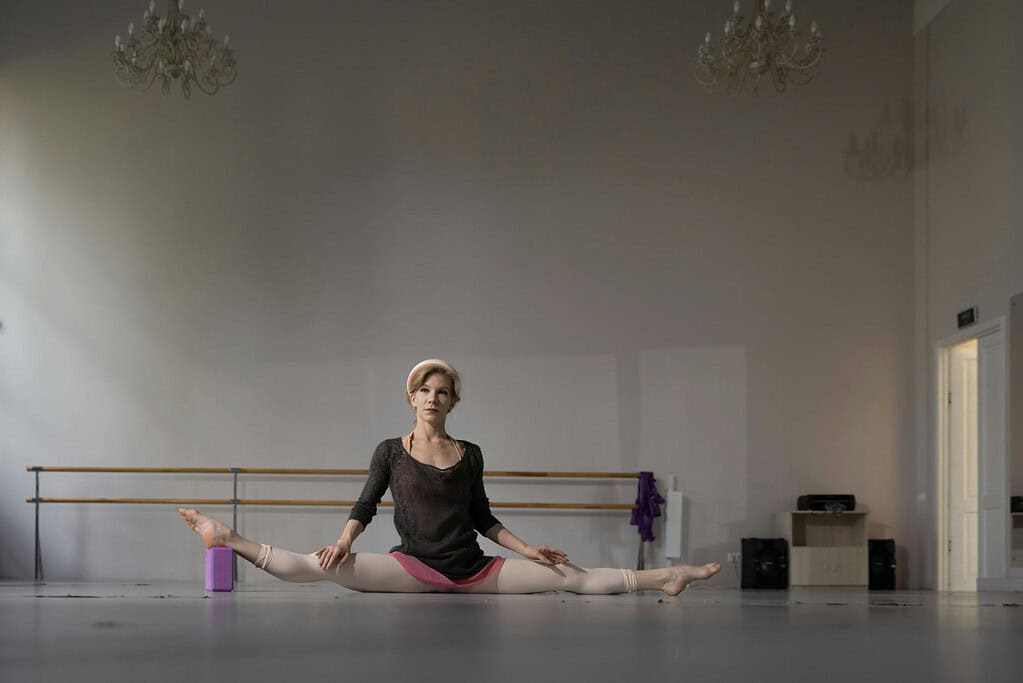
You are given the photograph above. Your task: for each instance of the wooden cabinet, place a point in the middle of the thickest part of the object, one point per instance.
(825, 548)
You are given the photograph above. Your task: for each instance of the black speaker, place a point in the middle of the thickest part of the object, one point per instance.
(765, 563)
(1016, 504)
(827, 502)
(882, 564)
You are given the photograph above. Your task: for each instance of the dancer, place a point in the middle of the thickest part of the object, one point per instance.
(439, 507)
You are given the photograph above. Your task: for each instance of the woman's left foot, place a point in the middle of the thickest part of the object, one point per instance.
(680, 577)
(213, 531)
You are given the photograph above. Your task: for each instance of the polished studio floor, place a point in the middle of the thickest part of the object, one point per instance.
(173, 631)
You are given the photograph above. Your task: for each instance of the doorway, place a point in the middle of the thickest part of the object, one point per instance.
(972, 472)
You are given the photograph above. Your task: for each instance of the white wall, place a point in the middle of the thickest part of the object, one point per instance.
(969, 233)
(632, 273)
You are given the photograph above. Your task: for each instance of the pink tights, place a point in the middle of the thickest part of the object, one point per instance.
(370, 572)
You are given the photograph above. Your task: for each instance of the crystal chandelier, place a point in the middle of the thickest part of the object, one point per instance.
(769, 45)
(172, 47)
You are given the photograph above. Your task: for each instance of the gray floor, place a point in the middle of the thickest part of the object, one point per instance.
(176, 632)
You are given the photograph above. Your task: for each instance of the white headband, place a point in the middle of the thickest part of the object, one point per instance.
(440, 365)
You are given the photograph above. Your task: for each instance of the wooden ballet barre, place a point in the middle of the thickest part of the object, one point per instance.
(235, 502)
(320, 471)
(137, 470)
(316, 503)
(563, 475)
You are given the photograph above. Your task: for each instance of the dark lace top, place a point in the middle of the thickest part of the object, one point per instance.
(437, 512)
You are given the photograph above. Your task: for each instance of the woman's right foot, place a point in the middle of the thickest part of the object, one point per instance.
(213, 532)
(680, 577)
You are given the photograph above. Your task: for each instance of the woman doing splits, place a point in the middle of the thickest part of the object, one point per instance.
(439, 506)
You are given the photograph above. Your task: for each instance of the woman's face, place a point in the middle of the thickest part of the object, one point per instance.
(434, 400)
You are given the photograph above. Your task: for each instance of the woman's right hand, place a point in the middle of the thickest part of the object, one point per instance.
(338, 552)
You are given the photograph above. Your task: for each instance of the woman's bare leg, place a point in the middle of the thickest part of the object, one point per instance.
(366, 572)
(526, 576)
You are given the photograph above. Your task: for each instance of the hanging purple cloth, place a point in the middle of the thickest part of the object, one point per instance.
(648, 506)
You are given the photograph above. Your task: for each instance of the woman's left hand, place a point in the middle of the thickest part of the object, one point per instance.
(545, 554)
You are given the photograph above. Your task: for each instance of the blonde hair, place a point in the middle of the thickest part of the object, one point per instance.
(417, 378)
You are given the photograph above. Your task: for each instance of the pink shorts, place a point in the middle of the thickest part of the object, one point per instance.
(431, 576)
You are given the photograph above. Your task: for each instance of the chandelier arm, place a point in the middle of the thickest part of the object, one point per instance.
(780, 79)
(792, 61)
(801, 74)
(130, 74)
(126, 58)
(207, 81)
(708, 74)
(743, 36)
(734, 58)
(151, 81)
(209, 91)
(137, 73)
(196, 61)
(812, 58)
(738, 81)
(787, 60)
(152, 49)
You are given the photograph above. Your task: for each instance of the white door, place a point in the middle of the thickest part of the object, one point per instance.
(994, 486)
(962, 468)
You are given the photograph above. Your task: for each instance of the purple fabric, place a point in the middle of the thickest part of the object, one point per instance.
(648, 506)
(219, 569)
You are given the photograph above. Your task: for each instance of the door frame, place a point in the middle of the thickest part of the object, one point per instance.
(986, 401)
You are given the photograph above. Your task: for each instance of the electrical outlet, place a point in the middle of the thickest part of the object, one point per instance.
(734, 558)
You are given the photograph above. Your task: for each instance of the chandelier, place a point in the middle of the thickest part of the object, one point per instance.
(173, 47)
(768, 45)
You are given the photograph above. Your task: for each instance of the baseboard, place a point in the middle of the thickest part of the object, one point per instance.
(1012, 583)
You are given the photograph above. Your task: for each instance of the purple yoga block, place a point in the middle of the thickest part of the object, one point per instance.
(219, 569)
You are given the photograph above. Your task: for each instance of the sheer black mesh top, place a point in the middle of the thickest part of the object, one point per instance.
(437, 512)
